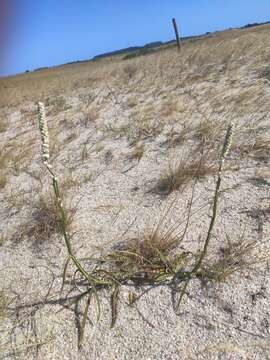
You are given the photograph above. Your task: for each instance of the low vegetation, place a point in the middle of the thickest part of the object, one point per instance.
(183, 171)
(129, 139)
(43, 223)
(152, 259)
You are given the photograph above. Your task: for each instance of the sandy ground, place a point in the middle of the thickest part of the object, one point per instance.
(95, 124)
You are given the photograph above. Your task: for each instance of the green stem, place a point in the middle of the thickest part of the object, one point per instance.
(212, 222)
(63, 220)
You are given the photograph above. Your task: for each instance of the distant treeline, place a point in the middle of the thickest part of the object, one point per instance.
(148, 48)
(254, 24)
(129, 49)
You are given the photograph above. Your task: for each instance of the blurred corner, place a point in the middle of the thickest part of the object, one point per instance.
(8, 13)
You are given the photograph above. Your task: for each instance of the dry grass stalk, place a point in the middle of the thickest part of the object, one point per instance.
(234, 257)
(183, 172)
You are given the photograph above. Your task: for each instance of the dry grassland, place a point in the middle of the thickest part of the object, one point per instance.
(136, 146)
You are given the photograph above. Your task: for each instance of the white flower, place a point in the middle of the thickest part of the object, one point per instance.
(228, 141)
(43, 127)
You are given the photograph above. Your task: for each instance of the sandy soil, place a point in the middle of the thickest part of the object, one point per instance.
(97, 113)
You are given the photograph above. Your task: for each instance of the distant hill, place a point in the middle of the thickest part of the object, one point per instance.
(160, 43)
(150, 47)
(129, 49)
(254, 24)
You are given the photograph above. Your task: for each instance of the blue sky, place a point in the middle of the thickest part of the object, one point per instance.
(52, 32)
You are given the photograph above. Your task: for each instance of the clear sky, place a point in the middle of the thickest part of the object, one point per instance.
(51, 32)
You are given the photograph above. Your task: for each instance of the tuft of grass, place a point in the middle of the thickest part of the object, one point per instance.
(234, 257)
(43, 223)
(258, 150)
(154, 242)
(204, 132)
(182, 172)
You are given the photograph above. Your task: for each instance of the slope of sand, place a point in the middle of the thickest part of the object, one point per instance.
(100, 115)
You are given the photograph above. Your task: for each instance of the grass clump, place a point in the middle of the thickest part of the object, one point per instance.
(183, 171)
(233, 257)
(258, 150)
(44, 222)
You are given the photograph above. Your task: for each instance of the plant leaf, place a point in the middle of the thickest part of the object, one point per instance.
(82, 327)
(114, 300)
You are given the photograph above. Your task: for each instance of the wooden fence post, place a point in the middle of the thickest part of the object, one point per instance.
(176, 33)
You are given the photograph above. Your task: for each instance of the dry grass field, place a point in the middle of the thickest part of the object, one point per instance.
(136, 148)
